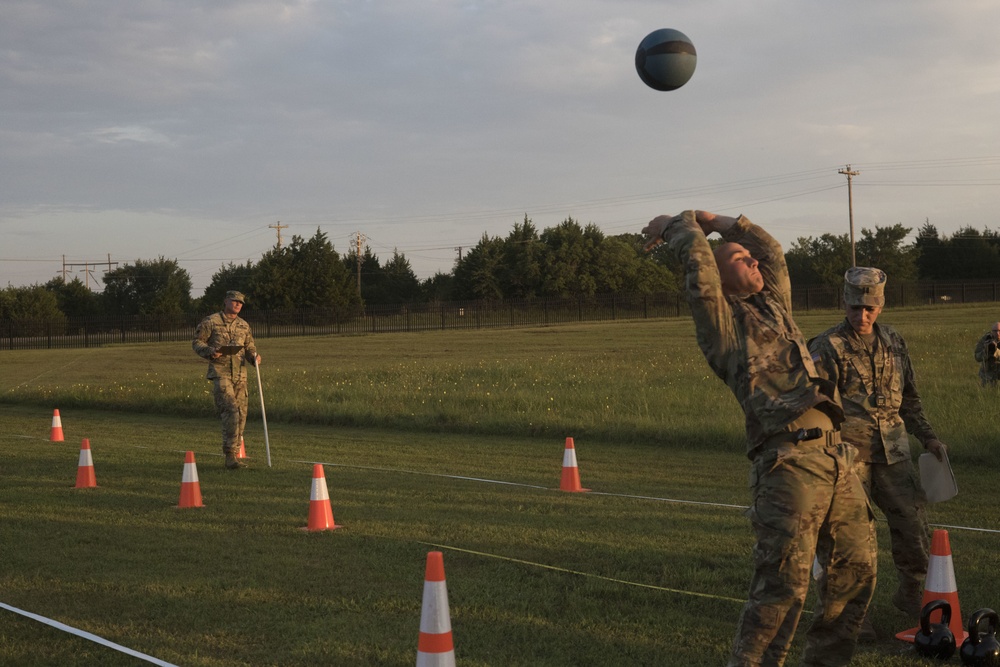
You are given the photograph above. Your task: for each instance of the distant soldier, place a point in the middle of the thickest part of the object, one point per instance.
(226, 341)
(806, 499)
(988, 356)
(871, 365)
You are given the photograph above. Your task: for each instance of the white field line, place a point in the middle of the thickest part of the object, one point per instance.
(86, 635)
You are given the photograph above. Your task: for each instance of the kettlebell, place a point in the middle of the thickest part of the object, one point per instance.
(982, 649)
(935, 640)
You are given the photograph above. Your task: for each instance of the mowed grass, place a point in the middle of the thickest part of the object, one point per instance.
(440, 440)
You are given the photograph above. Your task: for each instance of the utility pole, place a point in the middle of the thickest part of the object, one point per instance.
(459, 249)
(86, 264)
(279, 227)
(359, 239)
(850, 207)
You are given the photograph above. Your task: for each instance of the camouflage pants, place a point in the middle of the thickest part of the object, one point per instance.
(807, 502)
(894, 489)
(231, 405)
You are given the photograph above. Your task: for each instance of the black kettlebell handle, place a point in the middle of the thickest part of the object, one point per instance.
(975, 636)
(930, 608)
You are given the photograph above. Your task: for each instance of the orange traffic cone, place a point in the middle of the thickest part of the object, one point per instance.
(57, 434)
(320, 514)
(85, 477)
(570, 473)
(190, 488)
(243, 450)
(435, 648)
(940, 585)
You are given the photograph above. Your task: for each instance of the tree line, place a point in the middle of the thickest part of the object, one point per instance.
(566, 260)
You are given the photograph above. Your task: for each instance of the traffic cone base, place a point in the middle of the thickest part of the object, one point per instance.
(435, 646)
(570, 471)
(941, 585)
(56, 434)
(320, 512)
(85, 477)
(190, 487)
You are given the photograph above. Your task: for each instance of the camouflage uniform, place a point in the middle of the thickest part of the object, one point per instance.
(806, 499)
(880, 399)
(228, 373)
(988, 357)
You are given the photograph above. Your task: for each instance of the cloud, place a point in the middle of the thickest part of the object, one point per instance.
(129, 134)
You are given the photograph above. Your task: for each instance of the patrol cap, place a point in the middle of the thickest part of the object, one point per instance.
(864, 286)
(236, 296)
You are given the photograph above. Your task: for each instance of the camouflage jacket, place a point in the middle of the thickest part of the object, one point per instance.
(216, 331)
(880, 400)
(751, 341)
(989, 360)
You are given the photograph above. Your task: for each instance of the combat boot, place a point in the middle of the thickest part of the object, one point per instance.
(233, 463)
(909, 599)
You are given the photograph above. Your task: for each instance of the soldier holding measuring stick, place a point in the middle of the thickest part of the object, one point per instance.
(225, 339)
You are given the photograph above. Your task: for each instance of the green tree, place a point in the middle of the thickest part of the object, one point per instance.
(633, 269)
(930, 253)
(400, 284)
(974, 255)
(521, 260)
(74, 298)
(478, 273)
(819, 261)
(31, 310)
(148, 287)
(570, 249)
(306, 274)
(885, 250)
(439, 287)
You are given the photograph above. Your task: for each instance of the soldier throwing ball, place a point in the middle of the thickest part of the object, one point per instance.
(805, 496)
(871, 365)
(224, 338)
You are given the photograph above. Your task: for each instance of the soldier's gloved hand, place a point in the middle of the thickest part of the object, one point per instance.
(937, 448)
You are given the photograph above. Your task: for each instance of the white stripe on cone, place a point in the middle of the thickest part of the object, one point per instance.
(435, 648)
(87, 460)
(190, 475)
(319, 490)
(941, 574)
(569, 457)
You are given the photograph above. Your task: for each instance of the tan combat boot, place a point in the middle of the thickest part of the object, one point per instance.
(233, 463)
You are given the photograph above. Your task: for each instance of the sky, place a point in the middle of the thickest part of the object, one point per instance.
(190, 130)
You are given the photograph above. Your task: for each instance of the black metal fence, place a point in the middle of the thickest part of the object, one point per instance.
(97, 332)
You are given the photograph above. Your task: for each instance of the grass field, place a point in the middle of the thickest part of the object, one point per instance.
(447, 441)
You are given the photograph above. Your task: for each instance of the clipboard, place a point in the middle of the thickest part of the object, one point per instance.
(229, 349)
(937, 478)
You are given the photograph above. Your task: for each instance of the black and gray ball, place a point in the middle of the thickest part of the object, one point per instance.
(665, 59)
